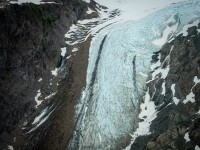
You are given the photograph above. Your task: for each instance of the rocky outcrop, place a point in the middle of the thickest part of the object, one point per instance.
(176, 97)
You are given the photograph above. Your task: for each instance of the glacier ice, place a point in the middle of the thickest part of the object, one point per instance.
(108, 109)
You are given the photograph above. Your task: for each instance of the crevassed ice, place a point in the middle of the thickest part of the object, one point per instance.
(118, 55)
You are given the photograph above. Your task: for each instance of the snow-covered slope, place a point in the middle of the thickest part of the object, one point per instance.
(118, 66)
(136, 9)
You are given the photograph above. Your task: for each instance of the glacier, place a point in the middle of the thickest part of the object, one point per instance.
(119, 60)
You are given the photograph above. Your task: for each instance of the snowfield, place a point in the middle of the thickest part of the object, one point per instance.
(136, 9)
(119, 62)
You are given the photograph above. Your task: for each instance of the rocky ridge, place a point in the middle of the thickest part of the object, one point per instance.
(176, 97)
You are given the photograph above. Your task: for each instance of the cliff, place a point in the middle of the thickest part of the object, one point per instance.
(30, 49)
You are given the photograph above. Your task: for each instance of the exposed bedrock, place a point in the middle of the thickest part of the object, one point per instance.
(177, 122)
(30, 48)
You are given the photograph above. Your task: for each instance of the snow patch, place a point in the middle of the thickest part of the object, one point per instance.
(55, 72)
(191, 96)
(148, 114)
(37, 97)
(163, 88)
(51, 95)
(197, 147)
(186, 137)
(196, 80)
(40, 80)
(42, 114)
(176, 100)
(63, 51)
(198, 113)
(74, 50)
(89, 11)
(69, 56)
(41, 121)
(10, 147)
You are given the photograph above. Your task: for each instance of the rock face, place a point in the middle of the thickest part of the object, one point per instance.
(30, 48)
(176, 97)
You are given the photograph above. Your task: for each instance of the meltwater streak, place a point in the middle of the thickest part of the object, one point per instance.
(116, 76)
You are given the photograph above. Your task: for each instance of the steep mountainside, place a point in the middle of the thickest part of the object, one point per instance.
(30, 49)
(177, 97)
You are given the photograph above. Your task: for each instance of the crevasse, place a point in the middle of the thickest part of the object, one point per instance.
(119, 62)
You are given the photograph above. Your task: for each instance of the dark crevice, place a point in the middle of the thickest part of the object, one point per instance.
(94, 73)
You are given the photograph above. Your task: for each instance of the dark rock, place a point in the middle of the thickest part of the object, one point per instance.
(30, 42)
(194, 131)
(174, 121)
